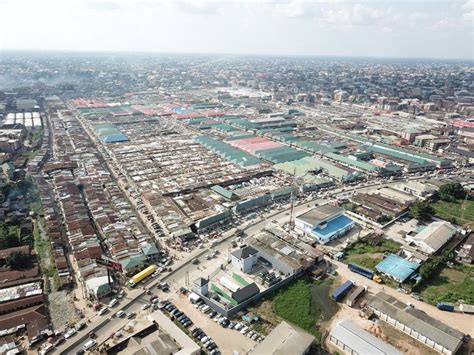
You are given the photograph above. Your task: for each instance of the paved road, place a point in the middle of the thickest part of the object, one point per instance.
(462, 322)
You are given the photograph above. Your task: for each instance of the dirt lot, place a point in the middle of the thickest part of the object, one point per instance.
(227, 340)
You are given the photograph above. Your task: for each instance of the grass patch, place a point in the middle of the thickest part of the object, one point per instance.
(453, 211)
(450, 285)
(365, 260)
(295, 305)
(362, 246)
(367, 255)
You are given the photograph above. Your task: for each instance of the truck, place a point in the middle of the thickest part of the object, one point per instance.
(342, 290)
(356, 295)
(364, 272)
(141, 275)
(448, 307)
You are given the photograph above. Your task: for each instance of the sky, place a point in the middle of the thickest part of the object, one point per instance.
(373, 28)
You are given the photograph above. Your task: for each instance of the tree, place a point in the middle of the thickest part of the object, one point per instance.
(451, 192)
(19, 260)
(8, 240)
(422, 211)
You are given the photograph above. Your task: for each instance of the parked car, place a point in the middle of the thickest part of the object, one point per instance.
(70, 333)
(81, 326)
(146, 306)
(131, 315)
(120, 314)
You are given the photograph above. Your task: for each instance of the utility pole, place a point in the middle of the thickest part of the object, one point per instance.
(291, 198)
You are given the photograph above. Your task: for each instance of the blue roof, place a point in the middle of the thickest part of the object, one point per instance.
(112, 138)
(327, 230)
(397, 267)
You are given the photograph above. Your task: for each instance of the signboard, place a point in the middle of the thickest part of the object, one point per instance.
(109, 264)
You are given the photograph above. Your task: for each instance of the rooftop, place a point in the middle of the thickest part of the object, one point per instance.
(319, 214)
(397, 267)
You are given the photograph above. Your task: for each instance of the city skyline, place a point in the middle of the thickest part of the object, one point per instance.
(419, 29)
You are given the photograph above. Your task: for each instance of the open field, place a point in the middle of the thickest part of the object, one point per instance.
(304, 303)
(460, 212)
(450, 285)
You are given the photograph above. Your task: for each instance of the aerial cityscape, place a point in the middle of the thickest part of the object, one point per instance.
(162, 202)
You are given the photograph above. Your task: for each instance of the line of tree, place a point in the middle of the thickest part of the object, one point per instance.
(451, 192)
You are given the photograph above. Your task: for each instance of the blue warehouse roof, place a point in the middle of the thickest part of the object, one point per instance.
(397, 267)
(326, 230)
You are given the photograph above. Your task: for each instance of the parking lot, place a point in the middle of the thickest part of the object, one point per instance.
(226, 339)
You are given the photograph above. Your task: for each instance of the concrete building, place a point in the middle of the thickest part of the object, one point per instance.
(352, 339)
(284, 339)
(417, 324)
(244, 259)
(433, 237)
(421, 190)
(325, 223)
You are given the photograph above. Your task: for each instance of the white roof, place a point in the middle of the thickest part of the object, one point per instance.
(284, 339)
(434, 236)
(361, 341)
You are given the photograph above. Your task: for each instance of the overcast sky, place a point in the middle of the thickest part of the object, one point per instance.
(382, 28)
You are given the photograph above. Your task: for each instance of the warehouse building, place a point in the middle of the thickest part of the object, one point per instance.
(397, 268)
(284, 339)
(432, 237)
(354, 340)
(417, 324)
(325, 223)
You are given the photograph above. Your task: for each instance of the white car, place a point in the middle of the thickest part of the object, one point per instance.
(89, 344)
(244, 330)
(103, 311)
(145, 306)
(113, 303)
(70, 333)
(120, 314)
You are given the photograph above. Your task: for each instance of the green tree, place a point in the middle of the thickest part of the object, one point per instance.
(451, 192)
(422, 211)
(8, 237)
(19, 260)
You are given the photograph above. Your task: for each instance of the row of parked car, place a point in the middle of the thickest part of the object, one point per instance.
(197, 333)
(227, 323)
(61, 337)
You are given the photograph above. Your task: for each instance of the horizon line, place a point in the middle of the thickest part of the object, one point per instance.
(142, 52)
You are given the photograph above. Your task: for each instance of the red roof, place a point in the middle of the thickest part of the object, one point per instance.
(462, 123)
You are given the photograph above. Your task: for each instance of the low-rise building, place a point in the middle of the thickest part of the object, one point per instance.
(417, 324)
(397, 268)
(432, 237)
(352, 339)
(325, 223)
(284, 339)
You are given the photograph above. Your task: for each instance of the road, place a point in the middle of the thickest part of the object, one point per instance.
(460, 321)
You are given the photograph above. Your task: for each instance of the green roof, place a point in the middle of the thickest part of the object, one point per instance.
(150, 249)
(223, 192)
(352, 162)
(132, 262)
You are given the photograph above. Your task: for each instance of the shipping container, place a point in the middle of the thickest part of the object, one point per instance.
(342, 290)
(445, 307)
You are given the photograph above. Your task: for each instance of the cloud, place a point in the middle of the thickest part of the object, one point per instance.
(103, 5)
(199, 7)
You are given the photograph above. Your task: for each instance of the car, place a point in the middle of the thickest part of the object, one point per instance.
(204, 339)
(102, 311)
(217, 318)
(180, 317)
(120, 314)
(81, 326)
(89, 344)
(225, 323)
(113, 303)
(46, 349)
(59, 340)
(188, 323)
(212, 314)
(238, 326)
(80, 352)
(131, 315)
(255, 336)
(70, 333)
(231, 325)
(250, 334)
(212, 346)
(146, 306)
(244, 330)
